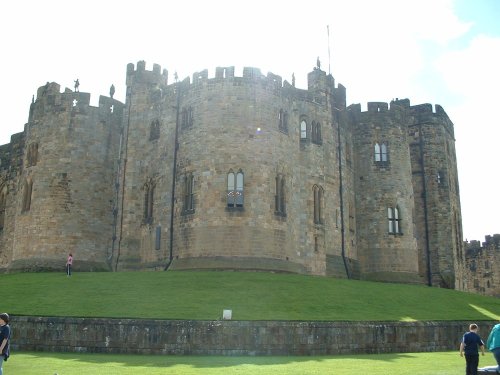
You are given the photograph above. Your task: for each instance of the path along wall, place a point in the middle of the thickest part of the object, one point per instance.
(235, 337)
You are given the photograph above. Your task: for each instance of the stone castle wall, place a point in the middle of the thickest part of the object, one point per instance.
(382, 184)
(482, 272)
(144, 185)
(131, 336)
(437, 199)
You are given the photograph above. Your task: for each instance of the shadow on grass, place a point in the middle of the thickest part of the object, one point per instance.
(200, 362)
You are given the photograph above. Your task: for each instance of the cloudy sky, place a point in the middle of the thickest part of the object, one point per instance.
(443, 52)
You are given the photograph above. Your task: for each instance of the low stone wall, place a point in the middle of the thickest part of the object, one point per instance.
(229, 337)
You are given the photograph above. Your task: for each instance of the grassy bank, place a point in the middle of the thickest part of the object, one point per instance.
(251, 296)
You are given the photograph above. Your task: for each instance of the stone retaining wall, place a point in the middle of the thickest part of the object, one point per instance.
(229, 337)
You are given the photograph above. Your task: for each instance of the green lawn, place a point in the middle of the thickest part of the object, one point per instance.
(445, 363)
(251, 296)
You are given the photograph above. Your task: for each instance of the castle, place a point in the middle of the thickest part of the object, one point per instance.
(233, 172)
(483, 266)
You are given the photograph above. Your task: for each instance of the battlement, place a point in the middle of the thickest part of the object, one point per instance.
(249, 74)
(424, 113)
(427, 109)
(381, 107)
(143, 76)
(51, 99)
(397, 104)
(317, 80)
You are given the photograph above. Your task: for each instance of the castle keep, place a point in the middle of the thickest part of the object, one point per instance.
(233, 172)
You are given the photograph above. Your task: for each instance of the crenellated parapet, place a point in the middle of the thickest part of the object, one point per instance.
(320, 85)
(141, 76)
(426, 114)
(381, 113)
(400, 109)
(50, 101)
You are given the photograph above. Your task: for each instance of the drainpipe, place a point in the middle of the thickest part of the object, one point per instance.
(174, 173)
(424, 197)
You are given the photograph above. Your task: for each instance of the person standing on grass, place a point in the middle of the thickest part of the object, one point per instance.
(470, 344)
(493, 344)
(4, 339)
(69, 264)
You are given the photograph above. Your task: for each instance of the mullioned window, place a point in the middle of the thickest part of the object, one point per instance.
(394, 220)
(235, 189)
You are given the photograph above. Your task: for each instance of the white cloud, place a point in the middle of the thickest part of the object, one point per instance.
(472, 74)
(379, 50)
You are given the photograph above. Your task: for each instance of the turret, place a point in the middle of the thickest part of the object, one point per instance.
(384, 194)
(65, 191)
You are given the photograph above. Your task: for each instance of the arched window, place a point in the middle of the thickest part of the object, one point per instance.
(3, 204)
(279, 198)
(154, 132)
(394, 220)
(27, 191)
(318, 204)
(381, 154)
(303, 129)
(383, 151)
(149, 188)
(188, 193)
(283, 121)
(187, 117)
(32, 155)
(377, 152)
(316, 133)
(352, 222)
(235, 189)
(347, 152)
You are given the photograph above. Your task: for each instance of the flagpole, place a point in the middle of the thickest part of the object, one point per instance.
(328, 33)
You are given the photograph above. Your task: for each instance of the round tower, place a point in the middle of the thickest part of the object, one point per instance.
(65, 190)
(220, 174)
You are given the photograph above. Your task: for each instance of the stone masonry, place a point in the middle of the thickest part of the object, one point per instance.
(187, 337)
(233, 172)
(483, 266)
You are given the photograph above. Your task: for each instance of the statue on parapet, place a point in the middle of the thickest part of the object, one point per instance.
(77, 85)
(318, 64)
(112, 91)
(293, 79)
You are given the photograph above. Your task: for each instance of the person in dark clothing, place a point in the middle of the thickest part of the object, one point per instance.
(470, 345)
(4, 339)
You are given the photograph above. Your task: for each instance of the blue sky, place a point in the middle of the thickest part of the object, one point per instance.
(443, 52)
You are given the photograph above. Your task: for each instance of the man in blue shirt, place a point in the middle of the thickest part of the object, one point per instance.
(471, 342)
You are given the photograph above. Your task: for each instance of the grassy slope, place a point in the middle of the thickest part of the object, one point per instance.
(251, 296)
